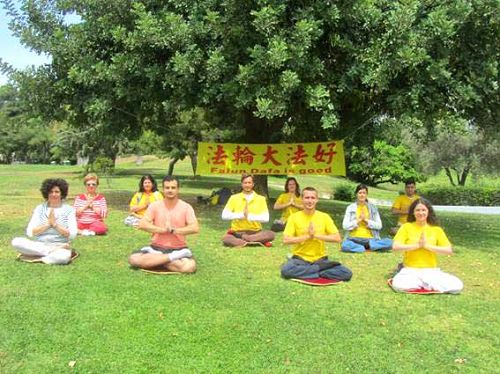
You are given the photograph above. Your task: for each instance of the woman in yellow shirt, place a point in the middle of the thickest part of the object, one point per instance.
(289, 201)
(147, 194)
(421, 240)
(363, 224)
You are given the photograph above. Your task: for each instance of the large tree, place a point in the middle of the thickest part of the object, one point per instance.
(461, 150)
(280, 70)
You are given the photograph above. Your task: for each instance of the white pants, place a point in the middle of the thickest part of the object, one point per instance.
(52, 253)
(427, 278)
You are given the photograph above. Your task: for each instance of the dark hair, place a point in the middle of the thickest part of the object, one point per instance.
(49, 184)
(361, 186)
(148, 177)
(297, 190)
(310, 189)
(245, 176)
(170, 178)
(431, 217)
(410, 181)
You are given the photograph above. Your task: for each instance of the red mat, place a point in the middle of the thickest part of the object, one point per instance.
(38, 259)
(417, 291)
(161, 270)
(319, 282)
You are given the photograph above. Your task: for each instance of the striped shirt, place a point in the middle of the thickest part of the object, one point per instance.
(65, 217)
(89, 215)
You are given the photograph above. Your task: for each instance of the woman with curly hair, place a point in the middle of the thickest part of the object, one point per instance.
(91, 208)
(52, 226)
(421, 240)
(148, 193)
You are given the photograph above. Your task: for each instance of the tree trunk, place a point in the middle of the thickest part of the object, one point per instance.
(194, 161)
(261, 185)
(450, 177)
(257, 131)
(171, 165)
(463, 177)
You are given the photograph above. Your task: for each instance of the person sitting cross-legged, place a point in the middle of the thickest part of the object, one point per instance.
(91, 208)
(402, 204)
(363, 224)
(421, 240)
(169, 221)
(308, 231)
(52, 226)
(247, 211)
(148, 193)
(289, 202)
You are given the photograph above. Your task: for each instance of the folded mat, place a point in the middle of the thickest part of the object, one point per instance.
(418, 291)
(160, 270)
(38, 259)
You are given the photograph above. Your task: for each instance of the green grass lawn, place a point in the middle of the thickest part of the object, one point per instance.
(235, 314)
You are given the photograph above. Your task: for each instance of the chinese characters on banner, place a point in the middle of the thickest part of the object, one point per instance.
(268, 159)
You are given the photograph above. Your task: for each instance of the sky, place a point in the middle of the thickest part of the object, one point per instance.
(13, 52)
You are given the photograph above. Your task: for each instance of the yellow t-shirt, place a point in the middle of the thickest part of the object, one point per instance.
(257, 206)
(362, 231)
(410, 233)
(403, 202)
(298, 224)
(285, 198)
(141, 198)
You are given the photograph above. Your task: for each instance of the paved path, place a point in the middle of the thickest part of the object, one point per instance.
(490, 210)
(451, 208)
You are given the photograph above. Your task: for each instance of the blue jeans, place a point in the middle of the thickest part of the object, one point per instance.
(357, 245)
(299, 268)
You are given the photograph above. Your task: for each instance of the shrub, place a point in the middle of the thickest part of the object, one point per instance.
(482, 196)
(102, 165)
(344, 192)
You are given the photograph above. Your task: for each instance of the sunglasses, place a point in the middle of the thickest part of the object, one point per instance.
(91, 184)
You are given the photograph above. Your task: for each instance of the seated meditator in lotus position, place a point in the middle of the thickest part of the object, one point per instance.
(247, 211)
(307, 231)
(169, 221)
(289, 201)
(363, 224)
(91, 208)
(421, 240)
(401, 205)
(52, 226)
(148, 193)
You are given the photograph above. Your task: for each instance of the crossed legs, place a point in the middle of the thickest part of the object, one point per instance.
(173, 260)
(50, 253)
(239, 239)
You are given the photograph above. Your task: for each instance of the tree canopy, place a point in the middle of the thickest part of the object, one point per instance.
(280, 70)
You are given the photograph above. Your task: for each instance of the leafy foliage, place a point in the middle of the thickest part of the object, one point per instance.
(22, 138)
(461, 150)
(344, 192)
(277, 69)
(382, 163)
(472, 195)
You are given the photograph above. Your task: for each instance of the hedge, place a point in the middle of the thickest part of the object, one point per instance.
(473, 196)
(344, 192)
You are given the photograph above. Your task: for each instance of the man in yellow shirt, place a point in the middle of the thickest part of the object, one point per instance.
(309, 230)
(402, 204)
(247, 211)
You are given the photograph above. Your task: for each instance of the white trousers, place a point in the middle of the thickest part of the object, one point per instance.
(427, 278)
(52, 253)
